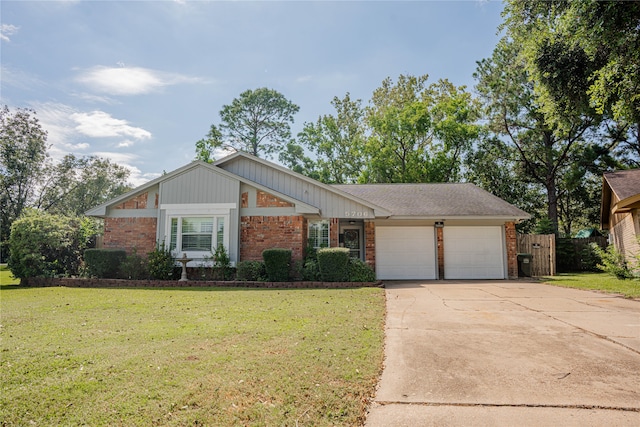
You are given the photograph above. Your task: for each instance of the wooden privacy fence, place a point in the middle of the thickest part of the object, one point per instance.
(571, 256)
(563, 255)
(543, 249)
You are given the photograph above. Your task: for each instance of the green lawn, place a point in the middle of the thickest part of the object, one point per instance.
(215, 357)
(6, 278)
(596, 281)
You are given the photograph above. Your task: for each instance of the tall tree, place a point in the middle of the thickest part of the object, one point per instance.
(584, 53)
(76, 184)
(545, 148)
(337, 142)
(23, 152)
(418, 133)
(258, 122)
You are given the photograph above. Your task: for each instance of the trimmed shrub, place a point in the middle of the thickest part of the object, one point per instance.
(45, 245)
(104, 263)
(160, 263)
(277, 263)
(134, 267)
(333, 264)
(359, 271)
(251, 271)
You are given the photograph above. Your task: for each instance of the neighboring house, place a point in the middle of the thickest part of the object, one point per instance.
(404, 231)
(619, 210)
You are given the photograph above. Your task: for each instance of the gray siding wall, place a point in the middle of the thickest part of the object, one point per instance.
(201, 185)
(330, 204)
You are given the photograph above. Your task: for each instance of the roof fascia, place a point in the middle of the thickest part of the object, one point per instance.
(605, 204)
(625, 205)
(101, 210)
(514, 218)
(379, 211)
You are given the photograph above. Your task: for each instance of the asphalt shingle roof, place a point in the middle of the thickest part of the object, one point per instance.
(625, 183)
(434, 200)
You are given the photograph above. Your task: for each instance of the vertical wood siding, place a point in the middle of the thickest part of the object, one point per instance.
(331, 205)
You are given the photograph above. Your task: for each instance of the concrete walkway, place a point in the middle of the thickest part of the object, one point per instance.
(507, 353)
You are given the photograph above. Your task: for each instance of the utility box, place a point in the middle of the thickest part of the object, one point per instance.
(524, 265)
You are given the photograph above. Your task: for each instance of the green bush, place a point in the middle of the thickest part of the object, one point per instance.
(333, 264)
(104, 263)
(310, 269)
(613, 262)
(134, 267)
(251, 271)
(160, 263)
(277, 263)
(359, 271)
(45, 245)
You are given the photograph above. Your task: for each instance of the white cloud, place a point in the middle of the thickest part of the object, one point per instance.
(98, 124)
(130, 80)
(7, 30)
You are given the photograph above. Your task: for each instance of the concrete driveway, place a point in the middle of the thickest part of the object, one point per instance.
(507, 353)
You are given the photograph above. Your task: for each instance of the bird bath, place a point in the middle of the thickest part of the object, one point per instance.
(184, 260)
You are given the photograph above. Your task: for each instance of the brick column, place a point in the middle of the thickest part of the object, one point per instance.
(370, 244)
(512, 249)
(334, 231)
(440, 245)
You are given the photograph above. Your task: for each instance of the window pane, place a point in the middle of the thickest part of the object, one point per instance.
(174, 234)
(196, 242)
(319, 234)
(197, 225)
(220, 237)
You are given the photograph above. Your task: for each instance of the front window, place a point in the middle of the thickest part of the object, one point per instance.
(196, 234)
(319, 234)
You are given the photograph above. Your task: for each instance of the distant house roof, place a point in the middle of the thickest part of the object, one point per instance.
(626, 186)
(435, 200)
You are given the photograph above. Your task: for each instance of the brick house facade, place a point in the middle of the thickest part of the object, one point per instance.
(249, 205)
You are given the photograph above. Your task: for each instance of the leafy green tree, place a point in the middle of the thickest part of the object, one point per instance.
(337, 141)
(23, 151)
(493, 165)
(76, 184)
(545, 149)
(418, 133)
(258, 122)
(584, 55)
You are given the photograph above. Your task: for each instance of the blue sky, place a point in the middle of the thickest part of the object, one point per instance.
(139, 82)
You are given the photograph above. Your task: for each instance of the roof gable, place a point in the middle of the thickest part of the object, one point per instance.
(332, 201)
(625, 185)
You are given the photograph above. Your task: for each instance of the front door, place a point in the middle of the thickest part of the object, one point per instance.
(352, 242)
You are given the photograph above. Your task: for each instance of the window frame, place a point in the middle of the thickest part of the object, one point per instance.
(312, 224)
(217, 211)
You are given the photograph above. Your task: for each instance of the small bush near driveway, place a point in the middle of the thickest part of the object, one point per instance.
(194, 356)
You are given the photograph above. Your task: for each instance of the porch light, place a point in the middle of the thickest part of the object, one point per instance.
(439, 224)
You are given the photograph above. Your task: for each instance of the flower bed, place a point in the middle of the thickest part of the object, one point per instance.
(121, 283)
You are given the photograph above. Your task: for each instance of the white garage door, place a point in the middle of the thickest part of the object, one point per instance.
(404, 253)
(473, 253)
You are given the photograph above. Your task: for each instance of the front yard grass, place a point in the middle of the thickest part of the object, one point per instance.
(596, 281)
(6, 277)
(197, 356)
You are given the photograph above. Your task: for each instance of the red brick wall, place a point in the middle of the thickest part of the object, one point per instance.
(258, 233)
(138, 202)
(129, 233)
(266, 200)
(440, 246)
(370, 244)
(244, 200)
(512, 250)
(334, 232)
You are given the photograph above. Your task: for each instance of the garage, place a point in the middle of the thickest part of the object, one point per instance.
(405, 253)
(473, 252)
